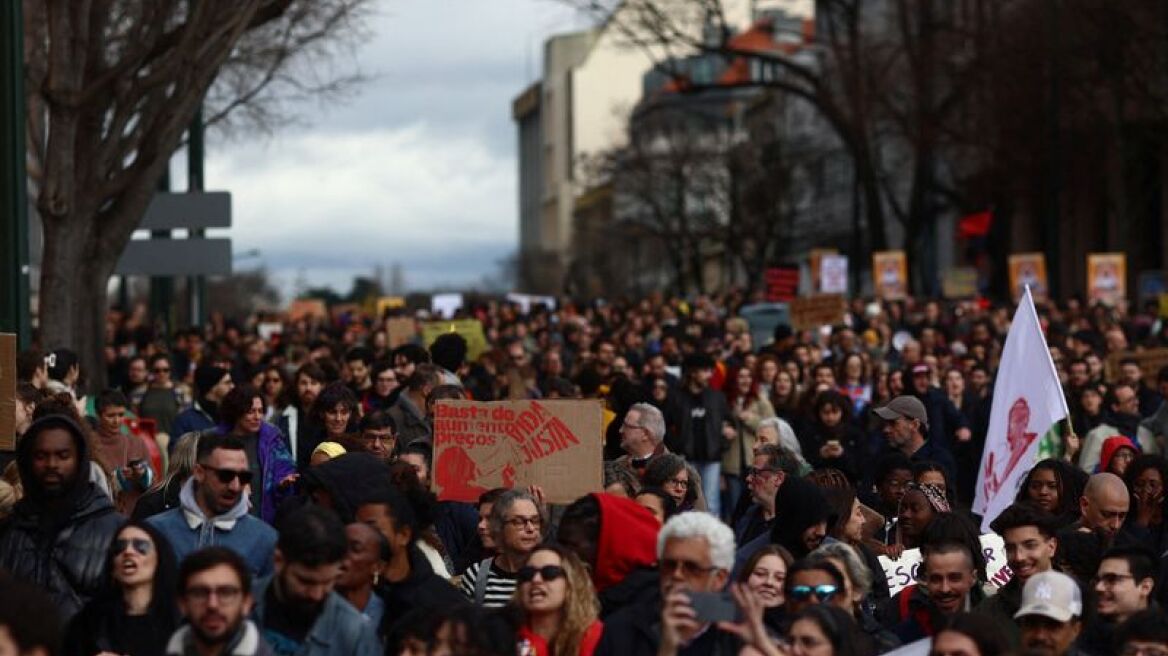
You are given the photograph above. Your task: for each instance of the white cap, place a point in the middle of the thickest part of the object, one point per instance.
(1051, 594)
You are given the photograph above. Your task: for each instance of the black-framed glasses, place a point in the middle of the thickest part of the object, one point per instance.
(684, 484)
(822, 593)
(689, 568)
(760, 471)
(547, 573)
(225, 476)
(140, 545)
(524, 522)
(1110, 580)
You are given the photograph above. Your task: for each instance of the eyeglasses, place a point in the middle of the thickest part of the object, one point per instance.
(547, 573)
(225, 476)
(804, 592)
(689, 568)
(1110, 580)
(523, 522)
(760, 471)
(678, 482)
(225, 593)
(141, 545)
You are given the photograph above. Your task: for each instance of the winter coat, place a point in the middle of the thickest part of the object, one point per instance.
(682, 440)
(339, 629)
(276, 464)
(64, 554)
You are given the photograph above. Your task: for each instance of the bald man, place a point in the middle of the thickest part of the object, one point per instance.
(1104, 505)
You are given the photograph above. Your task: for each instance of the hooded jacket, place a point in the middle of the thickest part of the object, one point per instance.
(1110, 446)
(276, 464)
(188, 529)
(62, 551)
(348, 480)
(626, 550)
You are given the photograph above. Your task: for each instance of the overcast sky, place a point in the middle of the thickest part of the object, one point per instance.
(419, 168)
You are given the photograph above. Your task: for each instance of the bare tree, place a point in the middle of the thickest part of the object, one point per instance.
(112, 85)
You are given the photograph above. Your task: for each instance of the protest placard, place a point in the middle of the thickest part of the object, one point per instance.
(444, 306)
(890, 275)
(782, 283)
(1106, 277)
(1028, 269)
(959, 282)
(903, 571)
(479, 446)
(1150, 361)
(7, 392)
(528, 301)
(833, 274)
(307, 308)
(470, 329)
(387, 303)
(400, 330)
(814, 311)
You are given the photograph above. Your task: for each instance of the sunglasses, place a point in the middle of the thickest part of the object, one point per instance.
(822, 592)
(547, 573)
(225, 476)
(141, 545)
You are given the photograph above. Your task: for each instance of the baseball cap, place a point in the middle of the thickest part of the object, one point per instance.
(920, 368)
(909, 407)
(1051, 594)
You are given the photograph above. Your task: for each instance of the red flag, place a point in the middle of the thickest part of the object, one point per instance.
(976, 225)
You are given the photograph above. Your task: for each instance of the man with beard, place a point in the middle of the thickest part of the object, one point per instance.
(906, 427)
(1029, 536)
(211, 385)
(59, 532)
(1121, 418)
(1050, 615)
(214, 595)
(213, 508)
(297, 610)
(948, 586)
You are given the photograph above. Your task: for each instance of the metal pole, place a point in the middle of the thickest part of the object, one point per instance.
(196, 285)
(162, 287)
(14, 306)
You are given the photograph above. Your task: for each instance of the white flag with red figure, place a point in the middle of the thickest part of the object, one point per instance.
(1028, 403)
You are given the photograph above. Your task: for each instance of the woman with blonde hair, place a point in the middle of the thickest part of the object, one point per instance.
(560, 613)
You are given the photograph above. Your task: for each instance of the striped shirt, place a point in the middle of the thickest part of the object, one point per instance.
(500, 585)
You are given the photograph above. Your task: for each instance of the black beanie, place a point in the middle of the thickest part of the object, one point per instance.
(207, 377)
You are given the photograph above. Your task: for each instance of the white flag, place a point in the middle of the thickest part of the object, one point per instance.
(1028, 403)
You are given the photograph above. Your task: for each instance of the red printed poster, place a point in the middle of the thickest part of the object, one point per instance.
(479, 446)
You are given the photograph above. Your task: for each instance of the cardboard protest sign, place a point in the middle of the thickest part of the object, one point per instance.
(7, 392)
(307, 308)
(959, 282)
(1150, 361)
(1028, 269)
(815, 311)
(903, 572)
(890, 275)
(815, 266)
(400, 330)
(470, 329)
(1106, 277)
(833, 274)
(479, 446)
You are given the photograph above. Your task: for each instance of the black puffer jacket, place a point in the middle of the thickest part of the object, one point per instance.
(63, 550)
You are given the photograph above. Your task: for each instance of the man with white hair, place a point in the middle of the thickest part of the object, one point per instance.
(695, 553)
(643, 438)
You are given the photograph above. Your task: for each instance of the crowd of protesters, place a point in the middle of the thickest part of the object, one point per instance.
(232, 493)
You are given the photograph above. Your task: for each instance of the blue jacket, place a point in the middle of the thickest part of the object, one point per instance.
(192, 420)
(339, 630)
(188, 530)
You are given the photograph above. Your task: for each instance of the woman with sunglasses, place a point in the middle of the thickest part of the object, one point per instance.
(558, 605)
(137, 613)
